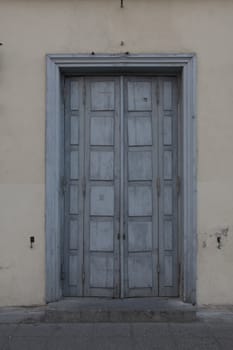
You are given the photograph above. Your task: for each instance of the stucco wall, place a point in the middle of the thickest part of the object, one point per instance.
(31, 29)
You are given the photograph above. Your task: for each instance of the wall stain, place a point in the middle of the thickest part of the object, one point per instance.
(204, 244)
(219, 235)
(4, 267)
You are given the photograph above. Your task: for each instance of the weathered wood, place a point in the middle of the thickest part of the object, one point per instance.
(101, 212)
(139, 95)
(139, 236)
(102, 131)
(102, 165)
(72, 188)
(101, 235)
(139, 181)
(140, 165)
(168, 201)
(148, 218)
(102, 95)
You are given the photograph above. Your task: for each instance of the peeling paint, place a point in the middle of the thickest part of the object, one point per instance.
(223, 232)
(219, 234)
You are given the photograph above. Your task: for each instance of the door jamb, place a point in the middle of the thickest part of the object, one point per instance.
(57, 66)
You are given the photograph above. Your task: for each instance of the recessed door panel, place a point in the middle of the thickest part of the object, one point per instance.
(140, 271)
(139, 95)
(140, 165)
(101, 200)
(101, 271)
(139, 131)
(102, 131)
(139, 236)
(102, 235)
(102, 95)
(139, 200)
(102, 165)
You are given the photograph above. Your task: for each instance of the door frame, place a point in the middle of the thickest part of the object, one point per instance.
(59, 65)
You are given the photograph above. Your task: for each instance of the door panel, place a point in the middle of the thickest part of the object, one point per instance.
(140, 165)
(102, 131)
(139, 131)
(101, 246)
(139, 95)
(102, 97)
(71, 186)
(102, 235)
(105, 116)
(140, 197)
(139, 236)
(168, 259)
(102, 165)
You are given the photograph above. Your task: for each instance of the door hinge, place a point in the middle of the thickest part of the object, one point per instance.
(84, 185)
(84, 94)
(63, 184)
(63, 89)
(62, 272)
(179, 271)
(179, 92)
(157, 93)
(178, 185)
(158, 185)
(83, 273)
(64, 95)
(158, 268)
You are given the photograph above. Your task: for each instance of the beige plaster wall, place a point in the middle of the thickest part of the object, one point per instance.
(31, 29)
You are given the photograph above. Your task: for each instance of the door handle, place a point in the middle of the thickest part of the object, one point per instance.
(84, 186)
(119, 236)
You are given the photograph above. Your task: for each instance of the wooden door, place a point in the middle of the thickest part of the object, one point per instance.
(150, 180)
(71, 183)
(120, 187)
(141, 201)
(169, 184)
(91, 187)
(101, 217)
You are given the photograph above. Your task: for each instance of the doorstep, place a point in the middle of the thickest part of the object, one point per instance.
(89, 310)
(120, 310)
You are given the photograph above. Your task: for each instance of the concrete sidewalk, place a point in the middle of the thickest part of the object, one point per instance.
(209, 332)
(213, 330)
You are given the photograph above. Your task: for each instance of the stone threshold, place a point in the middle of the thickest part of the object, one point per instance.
(89, 310)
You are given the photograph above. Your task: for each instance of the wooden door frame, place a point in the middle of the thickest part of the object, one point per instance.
(59, 65)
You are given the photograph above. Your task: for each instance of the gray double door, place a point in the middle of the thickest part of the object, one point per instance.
(120, 187)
